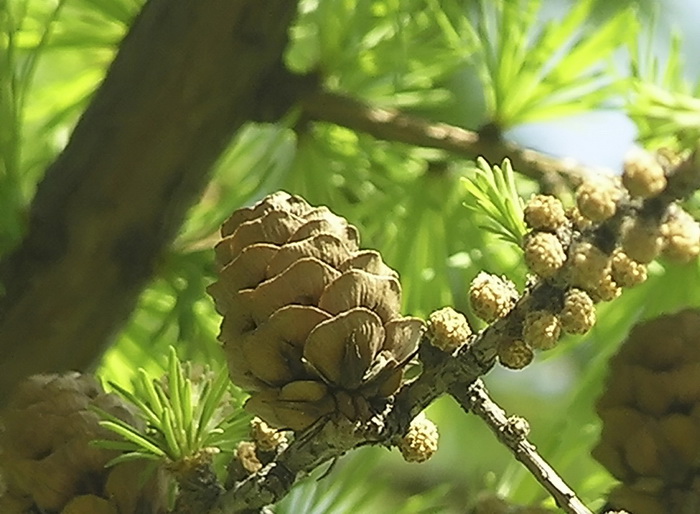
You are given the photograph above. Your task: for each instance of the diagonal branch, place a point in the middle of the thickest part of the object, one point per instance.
(329, 440)
(393, 125)
(512, 432)
(442, 373)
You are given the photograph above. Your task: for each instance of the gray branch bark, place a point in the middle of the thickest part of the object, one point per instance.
(512, 432)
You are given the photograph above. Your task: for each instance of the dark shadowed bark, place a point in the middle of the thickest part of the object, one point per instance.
(188, 74)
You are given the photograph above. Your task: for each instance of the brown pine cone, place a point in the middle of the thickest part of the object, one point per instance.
(311, 323)
(650, 411)
(47, 461)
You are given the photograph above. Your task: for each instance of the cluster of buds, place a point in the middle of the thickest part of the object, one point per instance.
(420, 441)
(650, 411)
(589, 253)
(47, 461)
(311, 324)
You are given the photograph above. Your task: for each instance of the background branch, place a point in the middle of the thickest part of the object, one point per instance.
(392, 125)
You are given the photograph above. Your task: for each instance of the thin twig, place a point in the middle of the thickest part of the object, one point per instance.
(512, 432)
(394, 125)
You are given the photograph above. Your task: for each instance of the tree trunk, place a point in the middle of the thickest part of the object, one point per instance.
(188, 74)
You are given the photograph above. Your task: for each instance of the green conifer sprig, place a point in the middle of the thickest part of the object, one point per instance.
(663, 104)
(494, 197)
(184, 419)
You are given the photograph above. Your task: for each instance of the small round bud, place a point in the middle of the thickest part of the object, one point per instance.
(448, 329)
(544, 212)
(578, 314)
(642, 241)
(577, 220)
(541, 330)
(265, 437)
(492, 297)
(625, 271)
(606, 290)
(247, 456)
(587, 265)
(681, 234)
(515, 354)
(543, 253)
(643, 175)
(421, 440)
(597, 198)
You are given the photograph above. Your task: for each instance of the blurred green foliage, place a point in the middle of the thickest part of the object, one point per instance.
(408, 202)
(534, 69)
(663, 104)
